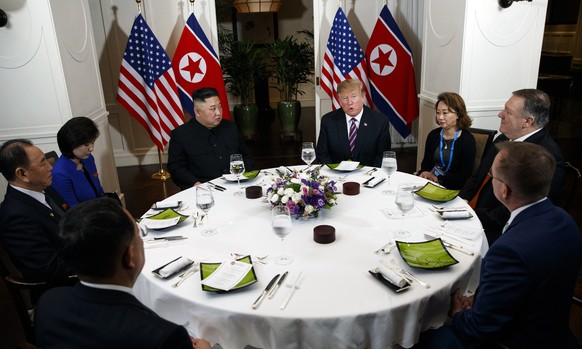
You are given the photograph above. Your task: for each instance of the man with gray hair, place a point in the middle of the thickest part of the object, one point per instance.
(523, 119)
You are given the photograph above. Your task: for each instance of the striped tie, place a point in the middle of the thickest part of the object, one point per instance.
(352, 136)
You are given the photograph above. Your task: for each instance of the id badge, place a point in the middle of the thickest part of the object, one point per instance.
(438, 171)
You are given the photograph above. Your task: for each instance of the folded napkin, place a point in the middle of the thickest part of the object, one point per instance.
(374, 182)
(167, 204)
(174, 266)
(456, 214)
(392, 276)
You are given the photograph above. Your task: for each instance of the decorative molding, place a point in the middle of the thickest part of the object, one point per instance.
(443, 24)
(74, 30)
(21, 39)
(505, 28)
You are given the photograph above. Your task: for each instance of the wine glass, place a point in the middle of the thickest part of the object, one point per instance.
(281, 223)
(237, 167)
(307, 153)
(389, 165)
(405, 202)
(205, 201)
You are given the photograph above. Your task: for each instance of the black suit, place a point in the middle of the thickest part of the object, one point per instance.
(373, 138)
(199, 154)
(87, 317)
(28, 232)
(492, 214)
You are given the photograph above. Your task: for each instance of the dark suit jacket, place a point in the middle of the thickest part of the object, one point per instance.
(492, 214)
(526, 283)
(28, 232)
(87, 317)
(463, 158)
(72, 183)
(199, 154)
(373, 138)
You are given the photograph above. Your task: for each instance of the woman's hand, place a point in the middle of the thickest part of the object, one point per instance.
(429, 175)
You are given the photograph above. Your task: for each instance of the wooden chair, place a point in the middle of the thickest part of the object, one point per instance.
(25, 293)
(51, 157)
(572, 178)
(483, 140)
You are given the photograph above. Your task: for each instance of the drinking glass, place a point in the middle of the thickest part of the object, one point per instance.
(237, 168)
(405, 203)
(205, 201)
(307, 153)
(281, 223)
(389, 165)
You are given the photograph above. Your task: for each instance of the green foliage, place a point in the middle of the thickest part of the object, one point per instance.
(291, 64)
(242, 64)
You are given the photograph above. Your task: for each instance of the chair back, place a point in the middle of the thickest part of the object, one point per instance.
(483, 140)
(572, 178)
(51, 157)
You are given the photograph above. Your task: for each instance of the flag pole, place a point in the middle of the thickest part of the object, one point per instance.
(162, 174)
(138, 2)
(192, 6)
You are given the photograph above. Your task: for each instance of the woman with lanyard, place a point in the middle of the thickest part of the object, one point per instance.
(449, 151)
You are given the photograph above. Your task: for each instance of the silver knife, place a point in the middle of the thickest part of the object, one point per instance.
(171, 238)
(265, 291)
(451, 245)
(279, 283)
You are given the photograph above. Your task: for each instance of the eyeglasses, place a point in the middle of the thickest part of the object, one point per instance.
(491, 175)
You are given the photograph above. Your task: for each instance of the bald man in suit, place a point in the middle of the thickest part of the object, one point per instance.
(372, 128)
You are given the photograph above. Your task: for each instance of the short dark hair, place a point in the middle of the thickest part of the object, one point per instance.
(200, 95)
(535, 103)
(13, 155)
(94, 234)
(76, 132)
(527, 168)
(455, 103)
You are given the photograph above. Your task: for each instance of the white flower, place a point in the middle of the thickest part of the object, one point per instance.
(295, 180)
(296, 198)
(321, 187)
(274, 198)
(289, 191)
(280, 191)
(309, 209)
(284, 199)
(331, 201)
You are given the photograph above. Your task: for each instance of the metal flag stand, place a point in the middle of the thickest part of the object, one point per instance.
(162, 174)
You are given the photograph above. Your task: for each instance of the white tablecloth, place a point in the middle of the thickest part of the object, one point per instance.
(339, 304)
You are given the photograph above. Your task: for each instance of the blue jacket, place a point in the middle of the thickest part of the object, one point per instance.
(72, 183)
(526, 283)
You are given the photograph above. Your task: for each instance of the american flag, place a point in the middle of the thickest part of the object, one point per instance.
(390, 60)
(343, 59)
(196, 65)
(147, 88)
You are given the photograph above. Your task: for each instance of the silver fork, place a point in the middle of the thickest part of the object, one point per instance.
(191, 271)
(409, 274)
(386, 248)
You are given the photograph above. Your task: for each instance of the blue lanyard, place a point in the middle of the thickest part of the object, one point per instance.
(451, 153)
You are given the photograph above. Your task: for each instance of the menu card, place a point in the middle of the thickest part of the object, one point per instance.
(347, 165)
(227, 275)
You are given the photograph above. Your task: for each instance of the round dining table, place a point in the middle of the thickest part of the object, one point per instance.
(336, 303)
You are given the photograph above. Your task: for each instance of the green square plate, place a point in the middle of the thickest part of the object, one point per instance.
(436, 193)
(334, 166)
(430, 254)
(168, 213)
(245, 176)
(208, 268)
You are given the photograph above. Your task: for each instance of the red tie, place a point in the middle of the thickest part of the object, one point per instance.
(473, 201)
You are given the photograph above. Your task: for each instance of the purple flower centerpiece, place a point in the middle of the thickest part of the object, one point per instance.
(305, 193)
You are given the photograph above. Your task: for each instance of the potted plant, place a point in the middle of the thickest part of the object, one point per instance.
(242, 63)
(291, 65)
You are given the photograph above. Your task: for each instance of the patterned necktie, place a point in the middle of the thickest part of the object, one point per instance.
(352, 136)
